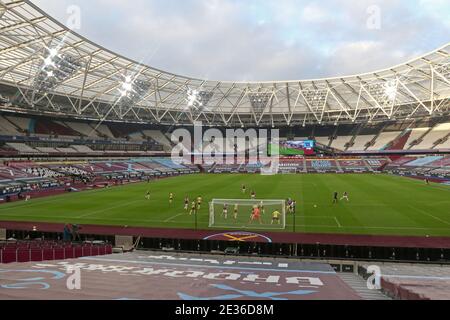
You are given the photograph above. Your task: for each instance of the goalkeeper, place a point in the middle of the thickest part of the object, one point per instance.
(276, 217)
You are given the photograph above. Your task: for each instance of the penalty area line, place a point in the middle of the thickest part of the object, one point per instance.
(337, 221)
(174, 217)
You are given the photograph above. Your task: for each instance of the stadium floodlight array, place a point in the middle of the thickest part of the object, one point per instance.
(384, 93)
(243, 218)
(197, 101)
(132, 91)
(259, 101)
(316, 98)
(444, 70)
(56, 68)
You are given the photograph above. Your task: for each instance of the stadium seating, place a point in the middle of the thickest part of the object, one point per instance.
(137, 136)
(383, 140)
(322, 165)
(68, 170)
(21, 123)
(351, 165)
(44, 126)
(415, 281)
(83, 149)
(426, 166)
(169, 163)
(40, 250)
(66, 150)
(7, 128)
(415, 136)
(431, 138)
(226, 168)
(103, 130)
(23, 148)
(43, 172)
(421, 162)
(159, 137)
(83, 129)
(292, 165)
(360, 143)
(340, 143)
(46, 150)
(323, 140)
(10, 173)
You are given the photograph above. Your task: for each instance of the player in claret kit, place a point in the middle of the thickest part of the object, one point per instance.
(235, 212)
(225, 211)
(186, 203)
(261, 207)
(345, 196)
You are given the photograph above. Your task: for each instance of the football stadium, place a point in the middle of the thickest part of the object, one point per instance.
(136, 178)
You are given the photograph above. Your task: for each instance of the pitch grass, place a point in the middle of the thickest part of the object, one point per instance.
(379, 204)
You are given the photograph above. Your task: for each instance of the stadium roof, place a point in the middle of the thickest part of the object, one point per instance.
(46, 68)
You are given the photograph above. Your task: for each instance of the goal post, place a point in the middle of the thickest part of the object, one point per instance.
(238, 214)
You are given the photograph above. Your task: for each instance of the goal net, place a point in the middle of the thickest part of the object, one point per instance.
(237, 214)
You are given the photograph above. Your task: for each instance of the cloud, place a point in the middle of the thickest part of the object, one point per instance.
(314, 13)
(261, 40)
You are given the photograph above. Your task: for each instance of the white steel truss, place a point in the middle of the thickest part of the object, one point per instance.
(98, 84)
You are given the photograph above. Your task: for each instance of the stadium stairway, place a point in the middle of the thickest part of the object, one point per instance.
(358, 284)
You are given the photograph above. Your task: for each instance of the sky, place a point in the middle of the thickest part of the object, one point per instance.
(261, 40)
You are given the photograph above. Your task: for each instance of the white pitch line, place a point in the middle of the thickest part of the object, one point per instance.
(337, 221)
(430, 215)
(50, 199)
(108, 208)
(174, 217)
(366, 227)
(318, 217)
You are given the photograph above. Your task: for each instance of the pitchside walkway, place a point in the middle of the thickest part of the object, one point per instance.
(358, 284)
(168, 276)
(419, 282)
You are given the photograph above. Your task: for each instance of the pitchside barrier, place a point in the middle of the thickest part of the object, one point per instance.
(376, 253)
(237, 214)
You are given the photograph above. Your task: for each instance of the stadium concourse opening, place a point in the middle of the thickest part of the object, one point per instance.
(309, 189)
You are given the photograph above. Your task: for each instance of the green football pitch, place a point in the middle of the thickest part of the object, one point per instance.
(379, 204)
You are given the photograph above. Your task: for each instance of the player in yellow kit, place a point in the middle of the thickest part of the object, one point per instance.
(276, 217)
(199, 202)
(193, 208)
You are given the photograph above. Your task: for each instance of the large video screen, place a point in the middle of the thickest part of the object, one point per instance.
(296, 147)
